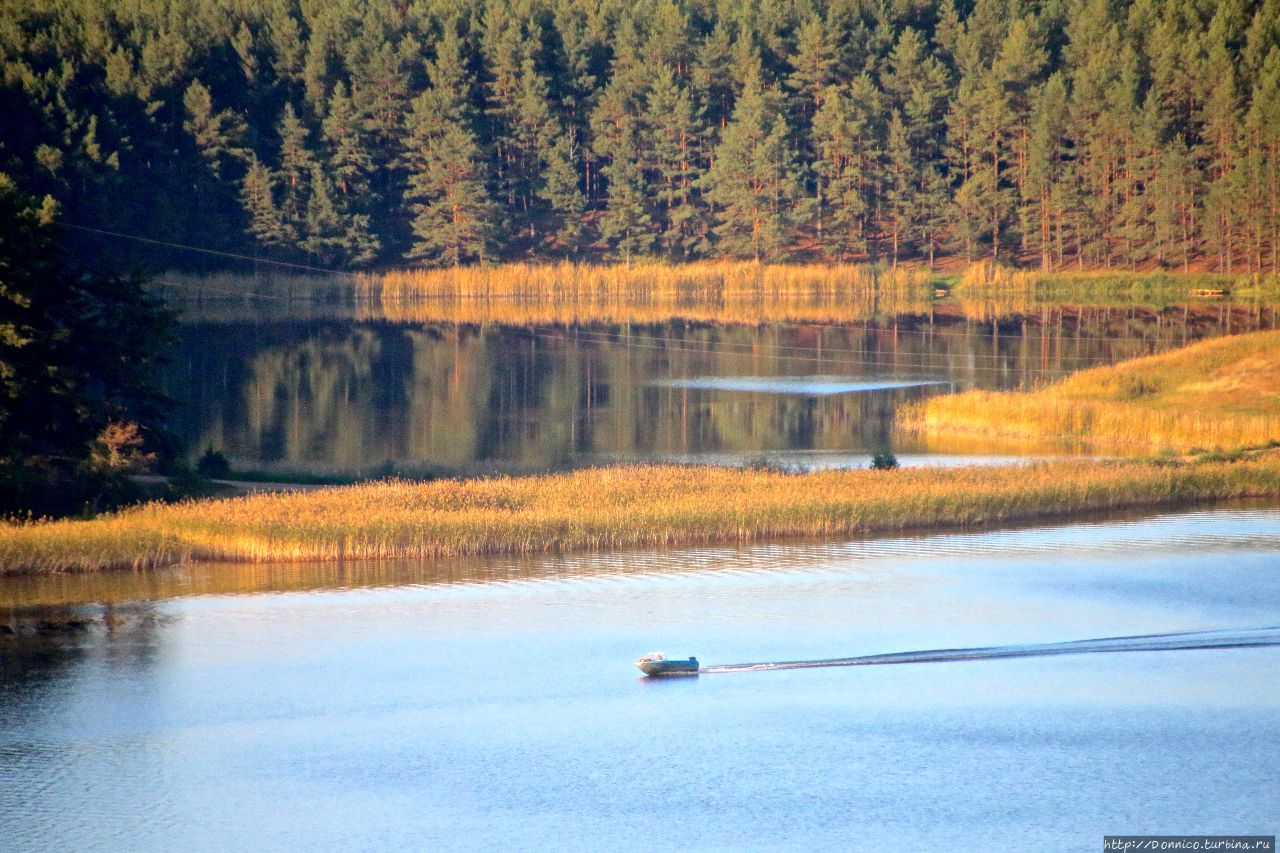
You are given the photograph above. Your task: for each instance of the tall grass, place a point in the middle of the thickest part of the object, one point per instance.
(707, 291)
(605, 509)
(702, 280)
(986, 280)
(1222, 393)
(718, 292)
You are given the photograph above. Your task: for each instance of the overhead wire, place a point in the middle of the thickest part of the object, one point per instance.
(217, 252)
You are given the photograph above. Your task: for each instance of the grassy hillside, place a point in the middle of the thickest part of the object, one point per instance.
(1222, 394)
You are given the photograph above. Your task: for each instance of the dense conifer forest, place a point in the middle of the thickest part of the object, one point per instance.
(350, 133)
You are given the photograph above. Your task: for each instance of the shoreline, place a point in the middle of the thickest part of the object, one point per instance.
(609, 509)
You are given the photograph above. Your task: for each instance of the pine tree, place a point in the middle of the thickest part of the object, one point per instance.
(1046, 167)
(814, 65)
(900, 186)
(296, 166)
(1262, 163)
(453, 216)
(219, 135)
(562, 194)
(350, 160)
(324, 236)
(673, 145)
(750, 184)
(843, 148)
(350, 166)
(712, 81)
(627, 223)
(1221, 119)
(257, 195)
(917, 85)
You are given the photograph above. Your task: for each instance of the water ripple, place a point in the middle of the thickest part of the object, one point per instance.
(1222, 639)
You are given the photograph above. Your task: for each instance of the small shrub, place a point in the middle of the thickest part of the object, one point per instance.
(885, 461)
(1136, 387)
(213, 464)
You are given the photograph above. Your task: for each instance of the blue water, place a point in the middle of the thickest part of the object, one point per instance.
(486, 705)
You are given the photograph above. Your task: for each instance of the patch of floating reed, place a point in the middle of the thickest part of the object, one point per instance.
(609, 508)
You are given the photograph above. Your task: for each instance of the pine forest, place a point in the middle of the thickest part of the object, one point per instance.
(1052, 134)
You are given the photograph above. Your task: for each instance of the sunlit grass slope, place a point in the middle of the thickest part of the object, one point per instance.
(609, 508)
(1222, 393)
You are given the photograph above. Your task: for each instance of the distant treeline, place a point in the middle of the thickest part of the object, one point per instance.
(1058, 133)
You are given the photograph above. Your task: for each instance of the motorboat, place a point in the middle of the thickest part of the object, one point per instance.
(656, 663)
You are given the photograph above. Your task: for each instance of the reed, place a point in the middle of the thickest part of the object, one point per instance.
(702, 280)
(726, 292)
(985, 280)
(608, 508)
(1221, 393)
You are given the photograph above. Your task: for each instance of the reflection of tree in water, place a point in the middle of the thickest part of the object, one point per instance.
(43, 647)
(340, 397)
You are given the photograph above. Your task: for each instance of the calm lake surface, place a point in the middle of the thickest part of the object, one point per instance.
(492, 704)
(289, 388)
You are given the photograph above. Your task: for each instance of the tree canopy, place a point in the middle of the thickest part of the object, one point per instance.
(1058, 133)
(77, 353)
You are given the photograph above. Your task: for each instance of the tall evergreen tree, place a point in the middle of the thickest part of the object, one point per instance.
(563, 195)
(453, 217)
(1043, 199)
(673, 144)
(297, 164)
(257, 195)
(751, 185)
(219, 135)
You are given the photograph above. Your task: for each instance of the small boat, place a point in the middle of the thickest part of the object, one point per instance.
(656, 663)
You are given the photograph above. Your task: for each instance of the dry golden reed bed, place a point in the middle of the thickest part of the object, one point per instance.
(1222, 393)
(708, 291)
(637, 282)
(609, 508)
(731, 292)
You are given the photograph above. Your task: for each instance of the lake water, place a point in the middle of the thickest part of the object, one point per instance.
(492, 704)
(280, 388)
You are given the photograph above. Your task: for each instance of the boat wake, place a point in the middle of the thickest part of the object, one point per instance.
(1223, 639)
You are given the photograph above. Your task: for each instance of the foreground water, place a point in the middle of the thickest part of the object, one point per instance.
(492, 704)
